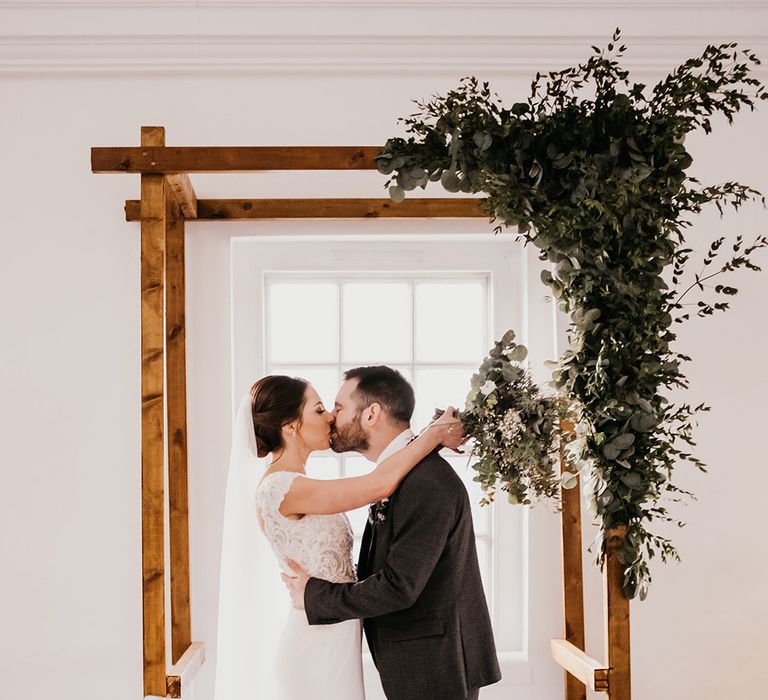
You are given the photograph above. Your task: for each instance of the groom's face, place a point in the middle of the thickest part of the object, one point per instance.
(347, 434)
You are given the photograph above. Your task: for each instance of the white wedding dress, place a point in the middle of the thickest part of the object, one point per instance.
(321, 662)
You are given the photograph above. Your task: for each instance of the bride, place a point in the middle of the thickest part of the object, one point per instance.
(304, 519)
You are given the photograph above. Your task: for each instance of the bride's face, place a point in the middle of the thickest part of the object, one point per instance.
(315, 428)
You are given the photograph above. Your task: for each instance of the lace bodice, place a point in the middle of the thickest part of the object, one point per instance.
(320, 544)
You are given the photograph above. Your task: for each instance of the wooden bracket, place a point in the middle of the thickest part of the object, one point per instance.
(181, 188)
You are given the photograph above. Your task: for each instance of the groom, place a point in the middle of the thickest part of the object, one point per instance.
(419, 590)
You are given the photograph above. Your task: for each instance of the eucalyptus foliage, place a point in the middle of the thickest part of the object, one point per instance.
(513, 426)
(599, 185)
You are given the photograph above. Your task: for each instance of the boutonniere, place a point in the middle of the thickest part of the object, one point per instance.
(377, 513)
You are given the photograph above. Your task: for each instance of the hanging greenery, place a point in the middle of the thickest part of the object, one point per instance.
(598, 184)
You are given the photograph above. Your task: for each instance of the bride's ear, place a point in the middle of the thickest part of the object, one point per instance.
(290, 432)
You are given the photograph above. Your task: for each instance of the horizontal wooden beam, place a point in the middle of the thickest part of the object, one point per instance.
(180, 675)
(246, 209)
(590, 672)
(216, 159)
(184, 193)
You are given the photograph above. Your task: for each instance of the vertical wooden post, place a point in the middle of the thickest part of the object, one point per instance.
(616, 619)
(152, 419)
(178, 502)
(573, 582)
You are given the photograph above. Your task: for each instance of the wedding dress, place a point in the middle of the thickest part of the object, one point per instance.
(321, 662)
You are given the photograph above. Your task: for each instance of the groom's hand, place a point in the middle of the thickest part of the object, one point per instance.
(296, 584)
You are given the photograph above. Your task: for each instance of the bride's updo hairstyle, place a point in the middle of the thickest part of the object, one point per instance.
(275, 401)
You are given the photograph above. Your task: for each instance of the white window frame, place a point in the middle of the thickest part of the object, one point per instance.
(412, 279)
(508, 267)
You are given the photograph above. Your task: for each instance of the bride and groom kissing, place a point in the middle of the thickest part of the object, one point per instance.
(416, 590)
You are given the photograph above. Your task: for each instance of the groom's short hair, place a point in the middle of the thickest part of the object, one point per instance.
(385, 386)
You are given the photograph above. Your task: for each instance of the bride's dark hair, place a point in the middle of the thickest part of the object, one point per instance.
(275, 401)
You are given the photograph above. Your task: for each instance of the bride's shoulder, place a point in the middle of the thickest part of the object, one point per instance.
(273, 488)
(277, 479)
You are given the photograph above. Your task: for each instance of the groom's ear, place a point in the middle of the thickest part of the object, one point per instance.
(373, 414)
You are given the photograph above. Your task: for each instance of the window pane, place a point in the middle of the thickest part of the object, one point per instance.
(481, 515)
(357, 465)
(405, 370)
(377, 322)
(439, 388)
(323, 466)
(450, 321)
(326, 380)
(302, 322)
(484, 560)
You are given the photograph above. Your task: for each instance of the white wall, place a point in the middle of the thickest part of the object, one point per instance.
(70, 588)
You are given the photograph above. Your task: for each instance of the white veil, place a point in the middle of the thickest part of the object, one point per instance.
(253, 602)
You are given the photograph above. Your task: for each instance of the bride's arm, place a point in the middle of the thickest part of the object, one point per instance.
(327, 496)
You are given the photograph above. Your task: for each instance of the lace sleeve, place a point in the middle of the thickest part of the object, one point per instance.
(270, 494)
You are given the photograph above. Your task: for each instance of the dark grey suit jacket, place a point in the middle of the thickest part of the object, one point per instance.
(419, 592)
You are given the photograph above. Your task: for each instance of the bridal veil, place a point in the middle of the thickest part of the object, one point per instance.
(253, 603)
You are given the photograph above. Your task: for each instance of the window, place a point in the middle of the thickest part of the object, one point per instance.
(314, 305)
(432, 328)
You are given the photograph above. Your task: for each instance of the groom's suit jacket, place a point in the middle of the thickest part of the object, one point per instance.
(419, 592)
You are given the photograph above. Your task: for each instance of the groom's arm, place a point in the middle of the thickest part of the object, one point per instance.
(427, 508)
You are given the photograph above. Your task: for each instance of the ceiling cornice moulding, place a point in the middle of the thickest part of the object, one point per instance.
(180, 54)
(178, 36)
(470, 5)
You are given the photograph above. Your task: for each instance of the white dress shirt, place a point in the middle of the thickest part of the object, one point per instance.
(397, 444)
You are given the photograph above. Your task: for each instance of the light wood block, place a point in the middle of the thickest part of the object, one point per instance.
(591, 673)
(184, 670)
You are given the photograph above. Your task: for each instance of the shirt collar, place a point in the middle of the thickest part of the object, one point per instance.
(397, 444)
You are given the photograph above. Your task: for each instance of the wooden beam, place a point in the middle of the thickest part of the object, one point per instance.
(184, 193)
(616, 618)
(178, 501)
(590, 672)
(248, 209)
(184, 670)
(152, 420)
(573, 583)
(217, 159)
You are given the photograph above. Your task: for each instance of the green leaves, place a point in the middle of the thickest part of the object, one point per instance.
(450, 181)
(518, 353)
(592, 170)
(569, 480)
(515, 429)
(618, 446)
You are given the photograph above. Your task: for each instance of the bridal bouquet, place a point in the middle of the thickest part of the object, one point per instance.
(514, 429)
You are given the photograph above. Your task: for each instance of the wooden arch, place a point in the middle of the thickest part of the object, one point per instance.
(167, 202)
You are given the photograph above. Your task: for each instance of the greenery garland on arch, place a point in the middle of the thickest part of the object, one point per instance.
(599, 186)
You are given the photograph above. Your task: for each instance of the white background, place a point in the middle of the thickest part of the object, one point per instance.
(80, 74)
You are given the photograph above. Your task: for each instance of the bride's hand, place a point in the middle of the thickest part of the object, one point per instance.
(451, 429)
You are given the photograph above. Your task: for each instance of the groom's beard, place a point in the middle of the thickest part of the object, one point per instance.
(350, 438)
